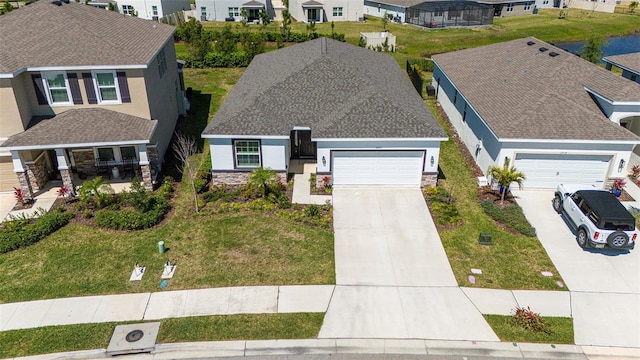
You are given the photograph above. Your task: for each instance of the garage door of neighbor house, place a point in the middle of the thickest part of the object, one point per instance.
(549, 170)
(377, 167)
(8, 178)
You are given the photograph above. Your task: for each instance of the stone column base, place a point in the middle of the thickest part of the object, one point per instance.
(429, 180)
(67, 180)
(25, 185)
(145, 170)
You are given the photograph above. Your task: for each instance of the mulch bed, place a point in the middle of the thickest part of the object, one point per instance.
(23, 205)
(486, 193)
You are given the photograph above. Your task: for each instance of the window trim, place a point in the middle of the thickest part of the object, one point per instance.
(338, 11)
(128, 10)
(47, 89)
(510, 7)
(235, 154)
(154, 10)
(94, 75)
(233, 11)
(527, 6)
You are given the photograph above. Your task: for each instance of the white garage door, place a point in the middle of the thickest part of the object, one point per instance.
(377, 167)
(549, 170)
(8, 178)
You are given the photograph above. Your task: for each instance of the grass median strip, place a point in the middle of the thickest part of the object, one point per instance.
(202, 328)
(559, 330)
(513, 261)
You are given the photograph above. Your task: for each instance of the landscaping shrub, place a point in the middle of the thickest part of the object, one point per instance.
(132, 219)
(442, 206)
(24, 233)
(528, 319)
(511, 216)
(312, 211)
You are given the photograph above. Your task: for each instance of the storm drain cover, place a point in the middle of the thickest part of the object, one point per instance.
(133, 338)
(134, 335)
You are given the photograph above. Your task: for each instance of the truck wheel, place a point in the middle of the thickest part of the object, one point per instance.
(557, 204)
(618, 240)
(583, 239)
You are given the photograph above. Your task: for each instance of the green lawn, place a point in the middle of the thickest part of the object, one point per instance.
(53, 339)
(559, 330)
(513, 261)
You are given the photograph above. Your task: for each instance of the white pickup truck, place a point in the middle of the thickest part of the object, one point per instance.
(598, 217)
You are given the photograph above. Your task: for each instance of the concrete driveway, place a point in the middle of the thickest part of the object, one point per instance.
(7, 202)
(604, 284)
(385, 236)
(393, 277)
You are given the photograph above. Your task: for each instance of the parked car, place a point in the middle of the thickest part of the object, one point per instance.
(597, 215)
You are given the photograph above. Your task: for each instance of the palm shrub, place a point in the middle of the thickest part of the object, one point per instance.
(505, 176)
(264, 181)
(96, 190)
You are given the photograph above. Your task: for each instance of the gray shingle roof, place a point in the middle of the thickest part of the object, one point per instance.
(349, 92)
(523, 93)
(71, 127)
(629, 61)
(45, 35)
(400, 3)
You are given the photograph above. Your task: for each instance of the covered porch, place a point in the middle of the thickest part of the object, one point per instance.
(253, 9)
(314, 11)
(77, 144)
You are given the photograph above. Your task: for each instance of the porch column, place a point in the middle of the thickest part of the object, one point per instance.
(145, 169)
(65, 172)
(21, 173)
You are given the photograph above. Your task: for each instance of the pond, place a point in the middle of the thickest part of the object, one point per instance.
(615, 46)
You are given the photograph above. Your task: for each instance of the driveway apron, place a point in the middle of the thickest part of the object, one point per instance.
(604, 284)
(393, 277)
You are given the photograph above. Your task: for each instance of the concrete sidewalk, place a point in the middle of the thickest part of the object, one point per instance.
(257, 300)
(302, 188)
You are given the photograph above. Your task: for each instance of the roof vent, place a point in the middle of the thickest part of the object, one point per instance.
(530, 43)
(323, 45)
(57, 3)
(553, 54)
(543, 49)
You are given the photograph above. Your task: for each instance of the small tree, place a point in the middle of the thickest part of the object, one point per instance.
(505, 176)
(264, 181)
(264, 19)
(184, 147)
(98, 190)
(633, 6)
(385, 20)
(227, 41)
(286, 24)
(592, 49)
(7, 7)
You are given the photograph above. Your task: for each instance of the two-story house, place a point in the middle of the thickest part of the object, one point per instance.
(152, 9)
(82, 88)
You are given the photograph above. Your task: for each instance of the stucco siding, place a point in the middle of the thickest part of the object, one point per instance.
(274, 154)
(372, 9)
(474, 133)
(15, 110)
(519, 8)
(351, 10)
(219, 10)
(325, 147)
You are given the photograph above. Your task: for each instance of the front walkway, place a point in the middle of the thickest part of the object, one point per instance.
(302, 188)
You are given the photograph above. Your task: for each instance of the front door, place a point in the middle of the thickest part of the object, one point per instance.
(301, 145)
(312, 15)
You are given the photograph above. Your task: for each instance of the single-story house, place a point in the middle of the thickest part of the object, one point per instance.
(351, 110)
(221, 10)
(557, 116)
(628, 63)
(502, 8)
(326, 10)
(434, 13)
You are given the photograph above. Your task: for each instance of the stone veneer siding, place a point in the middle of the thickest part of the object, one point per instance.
(37, 172)
(67, 180)
(429, 180)
(25, 185)
(146, 177)
(239, 177)
(85, 160)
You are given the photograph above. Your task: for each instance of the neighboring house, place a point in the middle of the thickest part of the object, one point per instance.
(554, 114)
(320, 11)
(152, 9)
(607, 6)
(221, 10)
(502, 8)
(102, 4)
(628, 63)
(352, 111)
(431, 13)
(89, 94)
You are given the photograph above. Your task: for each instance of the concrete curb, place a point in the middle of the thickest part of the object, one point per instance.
(250, 348)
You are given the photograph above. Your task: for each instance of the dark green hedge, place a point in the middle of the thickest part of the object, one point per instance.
(24, 233)
(511, 216)
(133, 219)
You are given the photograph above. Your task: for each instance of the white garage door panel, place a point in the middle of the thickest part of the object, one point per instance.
(549, 170)
(377, 167)
(8, 178)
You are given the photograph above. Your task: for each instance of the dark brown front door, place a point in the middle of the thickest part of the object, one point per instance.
(301, 145)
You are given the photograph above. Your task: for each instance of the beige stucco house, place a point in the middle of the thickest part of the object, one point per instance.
(84, 90)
